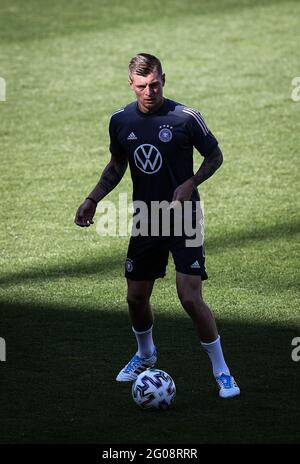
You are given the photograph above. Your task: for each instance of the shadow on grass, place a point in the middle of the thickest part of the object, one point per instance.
(98, 265)
(58, 382)
(256, 233)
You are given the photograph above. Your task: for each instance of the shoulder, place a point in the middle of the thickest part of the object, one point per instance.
(116, 118)
(183, 111)
(121, 117)
(176, 110)
(193, 117)
(122, 113)
(118, 111)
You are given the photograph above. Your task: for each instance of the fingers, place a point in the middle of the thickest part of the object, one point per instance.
(174, 204)
(84, 214)
(175, 195)
(83, 221)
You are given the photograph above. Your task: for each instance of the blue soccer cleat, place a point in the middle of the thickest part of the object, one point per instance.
(227, 386)
(135, 366)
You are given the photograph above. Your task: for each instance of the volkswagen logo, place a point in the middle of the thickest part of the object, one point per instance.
(147, 158)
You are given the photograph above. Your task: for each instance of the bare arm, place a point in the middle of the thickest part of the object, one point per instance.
(209, 165)
(110, 177)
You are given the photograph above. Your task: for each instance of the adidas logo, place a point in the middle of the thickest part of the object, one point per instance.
(132, 136)
(195, 265)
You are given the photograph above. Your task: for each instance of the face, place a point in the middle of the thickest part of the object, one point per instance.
(148, 91)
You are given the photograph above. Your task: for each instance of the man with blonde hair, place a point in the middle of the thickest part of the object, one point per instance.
(156, 137)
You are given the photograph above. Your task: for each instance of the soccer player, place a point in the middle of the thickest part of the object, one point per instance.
(156, 136)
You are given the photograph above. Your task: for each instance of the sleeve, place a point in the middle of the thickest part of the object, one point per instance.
(202, 138)
(114, 146)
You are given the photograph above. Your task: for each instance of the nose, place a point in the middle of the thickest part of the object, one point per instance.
(149, 91)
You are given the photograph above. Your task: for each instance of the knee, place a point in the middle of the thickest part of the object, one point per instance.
(191, 303)
(136, 300)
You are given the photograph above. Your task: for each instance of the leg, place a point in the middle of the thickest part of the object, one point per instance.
(141, 317)
(145, 260)
(138, 299)
(189, 289)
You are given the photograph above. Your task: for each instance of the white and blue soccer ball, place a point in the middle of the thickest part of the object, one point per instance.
(154, 389)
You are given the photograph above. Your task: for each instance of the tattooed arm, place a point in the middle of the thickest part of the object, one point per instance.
(111, 176)
(210, 164)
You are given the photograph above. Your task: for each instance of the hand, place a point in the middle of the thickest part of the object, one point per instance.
(85, 213)
(182, 193)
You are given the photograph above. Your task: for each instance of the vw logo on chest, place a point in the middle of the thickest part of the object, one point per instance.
(147, 158)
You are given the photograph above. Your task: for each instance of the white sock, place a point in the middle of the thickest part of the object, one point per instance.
(215, 353)
(145, 342)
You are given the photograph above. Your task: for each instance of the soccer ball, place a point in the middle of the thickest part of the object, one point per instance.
(154, 389)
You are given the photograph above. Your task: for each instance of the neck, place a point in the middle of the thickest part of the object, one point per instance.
(143, 109)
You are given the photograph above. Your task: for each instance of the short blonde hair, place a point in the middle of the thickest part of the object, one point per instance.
(143, 64)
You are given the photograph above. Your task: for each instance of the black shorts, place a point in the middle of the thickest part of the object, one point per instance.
(147, 257)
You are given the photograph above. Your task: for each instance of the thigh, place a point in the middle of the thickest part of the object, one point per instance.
(188, 260)
(147, 259)
(188, 286)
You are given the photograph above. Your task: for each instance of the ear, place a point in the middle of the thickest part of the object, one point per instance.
(130, 82)
(163, 78)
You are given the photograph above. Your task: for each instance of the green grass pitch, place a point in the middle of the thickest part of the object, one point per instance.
(63, 309)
